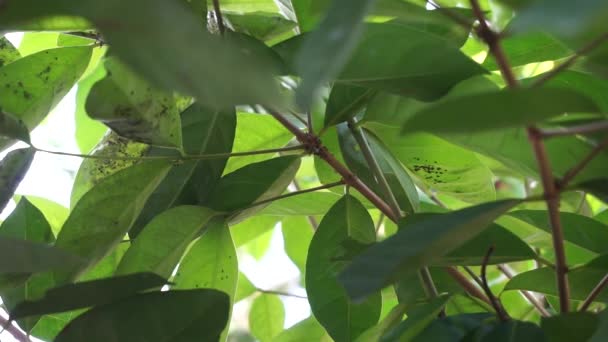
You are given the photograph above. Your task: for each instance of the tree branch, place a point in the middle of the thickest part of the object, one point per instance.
(581, 129)
(594, 293)
(500, 311)
(575, 170)
(218, 16)
(7, 325)
(570, 61)
(469, 287)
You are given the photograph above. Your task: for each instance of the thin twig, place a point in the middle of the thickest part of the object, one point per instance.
(175, 158)
(594, 293)
(570, 174)
(469, 287)
(580, 129)
(281, 293)
(309, 122)
(429, 285)
(218, 16)
(500, 311)
(8, 326)
(557, 233)
(473, 276)
(295, 193)
(508, 272)
(570, 61)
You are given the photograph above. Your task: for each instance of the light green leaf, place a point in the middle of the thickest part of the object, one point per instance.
(248, 6)
(417, 245)
(204, 131)
(251, 228)
(250, 184)
(88, 131)
(344, 230)
(266, 317)
(244, 288)
(8, 53)
(297, 235)
(261, 25)
(102, 218)
(398, 179)
(13, 168)
(211, 263)
(324, 53)
(306, 204)
(186, 315)
(306, 330)
(163, 241)
(88, 294)
(133, 109)
(508, 108)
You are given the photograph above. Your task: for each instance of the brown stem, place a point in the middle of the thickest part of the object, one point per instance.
(557, 233)
(473, 276)
(570, 61)
(594, 293)
(469, 287)
(508, 272)
(570, 174)
(500, 311)
(7, 325)
(218, 16)
(581, 129)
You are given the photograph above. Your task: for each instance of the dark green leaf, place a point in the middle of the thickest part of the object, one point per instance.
(573, 326)
(418, 245)
(398, 179)
(187, 315)
(31, 86)
(418, 318)
(347, 221)
(13, 168)
(211, 263)
(251, 184)
(510, 108)
(393, 318)
(133, 109)
(453, 328)
(584, 83)
(161, 244)
(324, 53)
(26, 222)
(601, 332)
(101, 219)
(266, 317)
(8, 53)
(13, 128)
(596, 187)
(344, 103)
(87, 294)
(511, 331)
(22, 256)
(204, 131)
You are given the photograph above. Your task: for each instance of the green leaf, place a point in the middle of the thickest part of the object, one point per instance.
(31, 86)
(417, 245)
(440, 165)
(163, 241)
(306, 330)
(596, 187)
(511, 330)
(8, 53)
(88, 131)
(186, 315)
(13, 128)
(261, 25)
(252, 183)
(582, 280)
(418, 318)
(101, 219)
(453, 328)
(602, 330)
(297, 235)
(244, 288)
(13, 168)
(509, 108)
(572, 326)
(580, 230)
(561, 17)
(204, 131)
(247, 6)
(251, 228)
(345, 225)
(133, 109)
(256, 132)
(26, 222)
(94, 170)
(22, 256)
(393, 318)
(52, 23)
(324, 53)
(86, 294)
(266, 317)
(344, 103)
(584, 83)
(211, 263)
(398, 179)
(530, 48)
(306, 204)
(433, 66)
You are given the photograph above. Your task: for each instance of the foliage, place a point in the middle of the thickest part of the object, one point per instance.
(438, 169)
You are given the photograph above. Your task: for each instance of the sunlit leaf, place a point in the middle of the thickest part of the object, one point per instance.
(266, 317)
